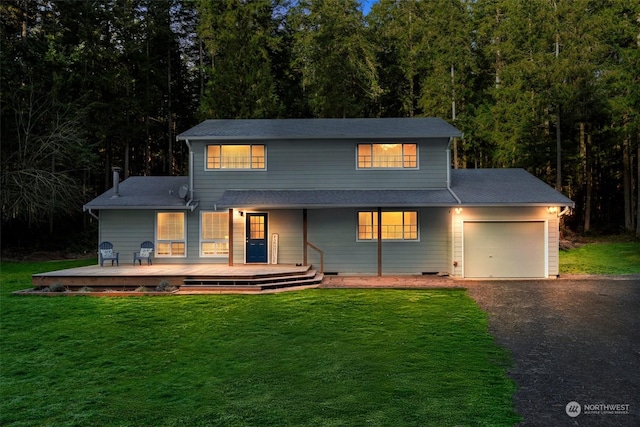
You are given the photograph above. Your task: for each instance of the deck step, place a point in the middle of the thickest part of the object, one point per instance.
(254, 280)
(215, 285)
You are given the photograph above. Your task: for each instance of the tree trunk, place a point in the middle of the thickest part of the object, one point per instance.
(169, 117)
(638, 188)
(589, 179)
(411, 68)
(559, 149)
(127, 154)
(53, 196)
(626, 179)
(586, 171)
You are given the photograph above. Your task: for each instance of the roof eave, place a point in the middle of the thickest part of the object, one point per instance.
(389, 205)
(337, 206)
(156, 207)
(311, 138)
(516, 204)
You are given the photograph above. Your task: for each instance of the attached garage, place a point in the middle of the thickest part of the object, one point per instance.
(504, 249)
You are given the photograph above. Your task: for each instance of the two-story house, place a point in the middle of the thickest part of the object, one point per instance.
(375, 196)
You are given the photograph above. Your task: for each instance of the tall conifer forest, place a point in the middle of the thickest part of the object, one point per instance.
(551, 86)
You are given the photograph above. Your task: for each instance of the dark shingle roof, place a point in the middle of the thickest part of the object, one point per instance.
(503, 187)
(475, 187)
(386, 128)
(479, 187)
(143, 192)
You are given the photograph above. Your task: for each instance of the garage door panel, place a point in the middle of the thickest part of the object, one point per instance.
(504, 249)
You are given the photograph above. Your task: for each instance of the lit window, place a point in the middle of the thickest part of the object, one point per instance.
(236, 157)
(402, 225)
(397, 156)
(214, 234)
(170, 231)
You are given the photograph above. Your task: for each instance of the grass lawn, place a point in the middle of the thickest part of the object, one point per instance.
(602, 258)
(319, 357)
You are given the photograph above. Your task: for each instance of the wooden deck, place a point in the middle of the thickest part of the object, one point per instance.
(127, 276)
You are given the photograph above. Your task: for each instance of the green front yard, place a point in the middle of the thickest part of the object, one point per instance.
(316, 357)
(602, 258)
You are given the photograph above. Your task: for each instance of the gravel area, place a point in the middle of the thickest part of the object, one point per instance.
(574, 339)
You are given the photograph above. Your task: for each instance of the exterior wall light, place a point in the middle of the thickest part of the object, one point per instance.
(458, 211)
(552, 209)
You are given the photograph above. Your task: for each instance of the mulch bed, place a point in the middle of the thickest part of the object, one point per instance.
(572, 341)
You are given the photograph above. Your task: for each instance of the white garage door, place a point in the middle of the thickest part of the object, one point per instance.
(504, 249)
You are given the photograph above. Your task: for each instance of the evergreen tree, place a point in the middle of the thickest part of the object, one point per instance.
(241, 39)
(335, 58)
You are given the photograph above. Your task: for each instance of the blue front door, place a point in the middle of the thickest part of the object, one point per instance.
(257, 237)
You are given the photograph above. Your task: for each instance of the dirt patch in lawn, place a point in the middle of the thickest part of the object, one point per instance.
(572, 341)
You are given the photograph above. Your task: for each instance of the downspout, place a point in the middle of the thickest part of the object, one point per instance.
(455, 196)
(92, 214)
(190, 176)
(448, 150)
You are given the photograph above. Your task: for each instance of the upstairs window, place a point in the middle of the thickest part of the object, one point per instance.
(247, 156)
(385, 156)
(400, 225)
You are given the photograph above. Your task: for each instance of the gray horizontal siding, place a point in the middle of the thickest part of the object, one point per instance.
(288, 225)
(126, 229)
(334, 231)
(323, 165)
(430, 254)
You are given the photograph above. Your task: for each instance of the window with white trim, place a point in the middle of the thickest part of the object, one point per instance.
(214, 234)
(387, 156)
(245, 156)
(170, 234)
(398, 225)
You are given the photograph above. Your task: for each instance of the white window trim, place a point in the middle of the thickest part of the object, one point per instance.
(201, 240)
(250, 169)
(374, 240)
(402, 168)
(157, 241)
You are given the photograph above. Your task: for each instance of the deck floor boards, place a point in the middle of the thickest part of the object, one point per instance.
(175, 274)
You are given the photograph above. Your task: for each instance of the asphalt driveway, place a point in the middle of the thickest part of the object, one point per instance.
(572, 340)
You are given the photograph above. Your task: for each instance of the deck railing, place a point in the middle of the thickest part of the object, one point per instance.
(321, 252)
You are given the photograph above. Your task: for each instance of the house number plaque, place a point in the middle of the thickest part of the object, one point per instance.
(274, 248)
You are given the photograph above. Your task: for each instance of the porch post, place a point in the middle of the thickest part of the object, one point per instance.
(304, 237)
(379, 241)
(230, 237)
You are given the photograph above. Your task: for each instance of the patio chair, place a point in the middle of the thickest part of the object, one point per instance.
(105, 252)
(146, 250)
